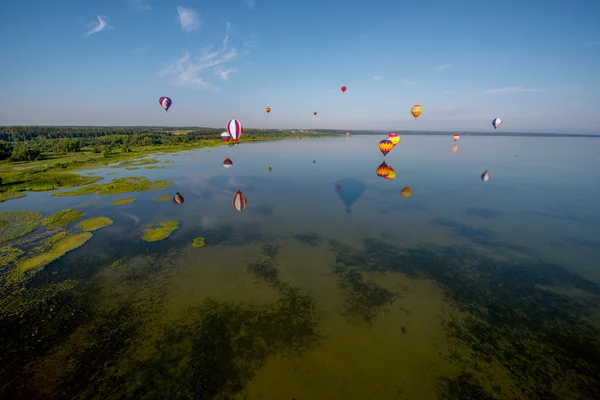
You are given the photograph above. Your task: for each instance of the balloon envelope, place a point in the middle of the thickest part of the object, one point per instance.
(268, 109)
(394, 138)
(383, 170)
(406, 192)
(416, 110)
(385, 146)
(349, 190)
(343, 88)
(165, 102)
(496, 122)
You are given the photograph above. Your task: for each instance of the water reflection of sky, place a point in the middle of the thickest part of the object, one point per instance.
(543, 192)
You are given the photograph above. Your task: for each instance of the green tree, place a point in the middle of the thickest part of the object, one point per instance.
(24, 153)
(106, 152)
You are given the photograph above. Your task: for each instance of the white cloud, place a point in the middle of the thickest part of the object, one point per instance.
(224, 73)
(408, 81)
(440, 68)
(139, 4)
(250, 3)
(189, 19)
(98, 26)
(378, 78)
(512, 89)
(227, 33)
(187, 70)
(450, 91)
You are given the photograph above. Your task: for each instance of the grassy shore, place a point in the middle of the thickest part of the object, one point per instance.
(57, 171)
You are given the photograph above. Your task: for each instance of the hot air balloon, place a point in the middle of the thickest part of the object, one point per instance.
(496, 122)
(349, 190)
(406, 192)
(456, 137)
(315, 113)
(343, 89)
(485, 176)
(385, 146)
(165, 102)
(239, 201)
(227, 163)
(269, 169)
(268, 110)
(394, 138)
(225, 136)
(383, 170)
(454, 148)
(347, 133)
(416, 110)
(235, 130)
(178, 199)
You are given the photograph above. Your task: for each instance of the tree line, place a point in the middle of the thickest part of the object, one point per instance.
(29, 143)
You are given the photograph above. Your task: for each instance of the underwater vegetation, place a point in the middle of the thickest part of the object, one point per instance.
(93, 224)
(162, 198)
(199, 242)
(116, 186)
(16, 224)
(120, 202)
(159, 231)
(39, 179)
(543, 340)
(62, 218)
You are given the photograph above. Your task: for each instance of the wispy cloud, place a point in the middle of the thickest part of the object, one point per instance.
(98, 26)
(187, 71)
(141, 50)
(139, 4)
(440, 68)
(250, 3)
(592, 43)
(251, 41)
(224, 73)
(450, 91)
(408, 81)
(512, 89)
(378, 78)
(189, 19)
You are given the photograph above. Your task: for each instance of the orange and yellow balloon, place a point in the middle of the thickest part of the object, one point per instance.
(394, 138)
(385, 146)
(416, 110)
(456, 137)
(406, 192)
(391, 175)
(268, 109)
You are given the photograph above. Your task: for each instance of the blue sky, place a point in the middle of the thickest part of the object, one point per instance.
(107, 62)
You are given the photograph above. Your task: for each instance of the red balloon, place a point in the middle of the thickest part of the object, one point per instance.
(343, 88)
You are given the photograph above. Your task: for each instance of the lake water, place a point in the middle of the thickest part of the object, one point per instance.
(330, 284)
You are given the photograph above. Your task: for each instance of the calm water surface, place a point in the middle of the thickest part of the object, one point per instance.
(329, 284)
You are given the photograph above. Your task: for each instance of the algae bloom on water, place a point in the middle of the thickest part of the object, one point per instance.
(58, 250)
(62, 218)
(162, 198)
(120, 202)
(93, 224)
(160, 231)
(116, 186)
(199, 242)
(16, 224)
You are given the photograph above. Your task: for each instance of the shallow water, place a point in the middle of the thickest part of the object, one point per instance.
(466, 289)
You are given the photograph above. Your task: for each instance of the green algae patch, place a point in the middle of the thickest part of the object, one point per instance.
(62, 218)
(9, 256)
(16, 224)
(155, 167)
(93, 224)
(132, 168)
(59, 249)
(120, 202)
(199, 242)
(5, 196)
(160, 231)
(162, 198)
(117, 186)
